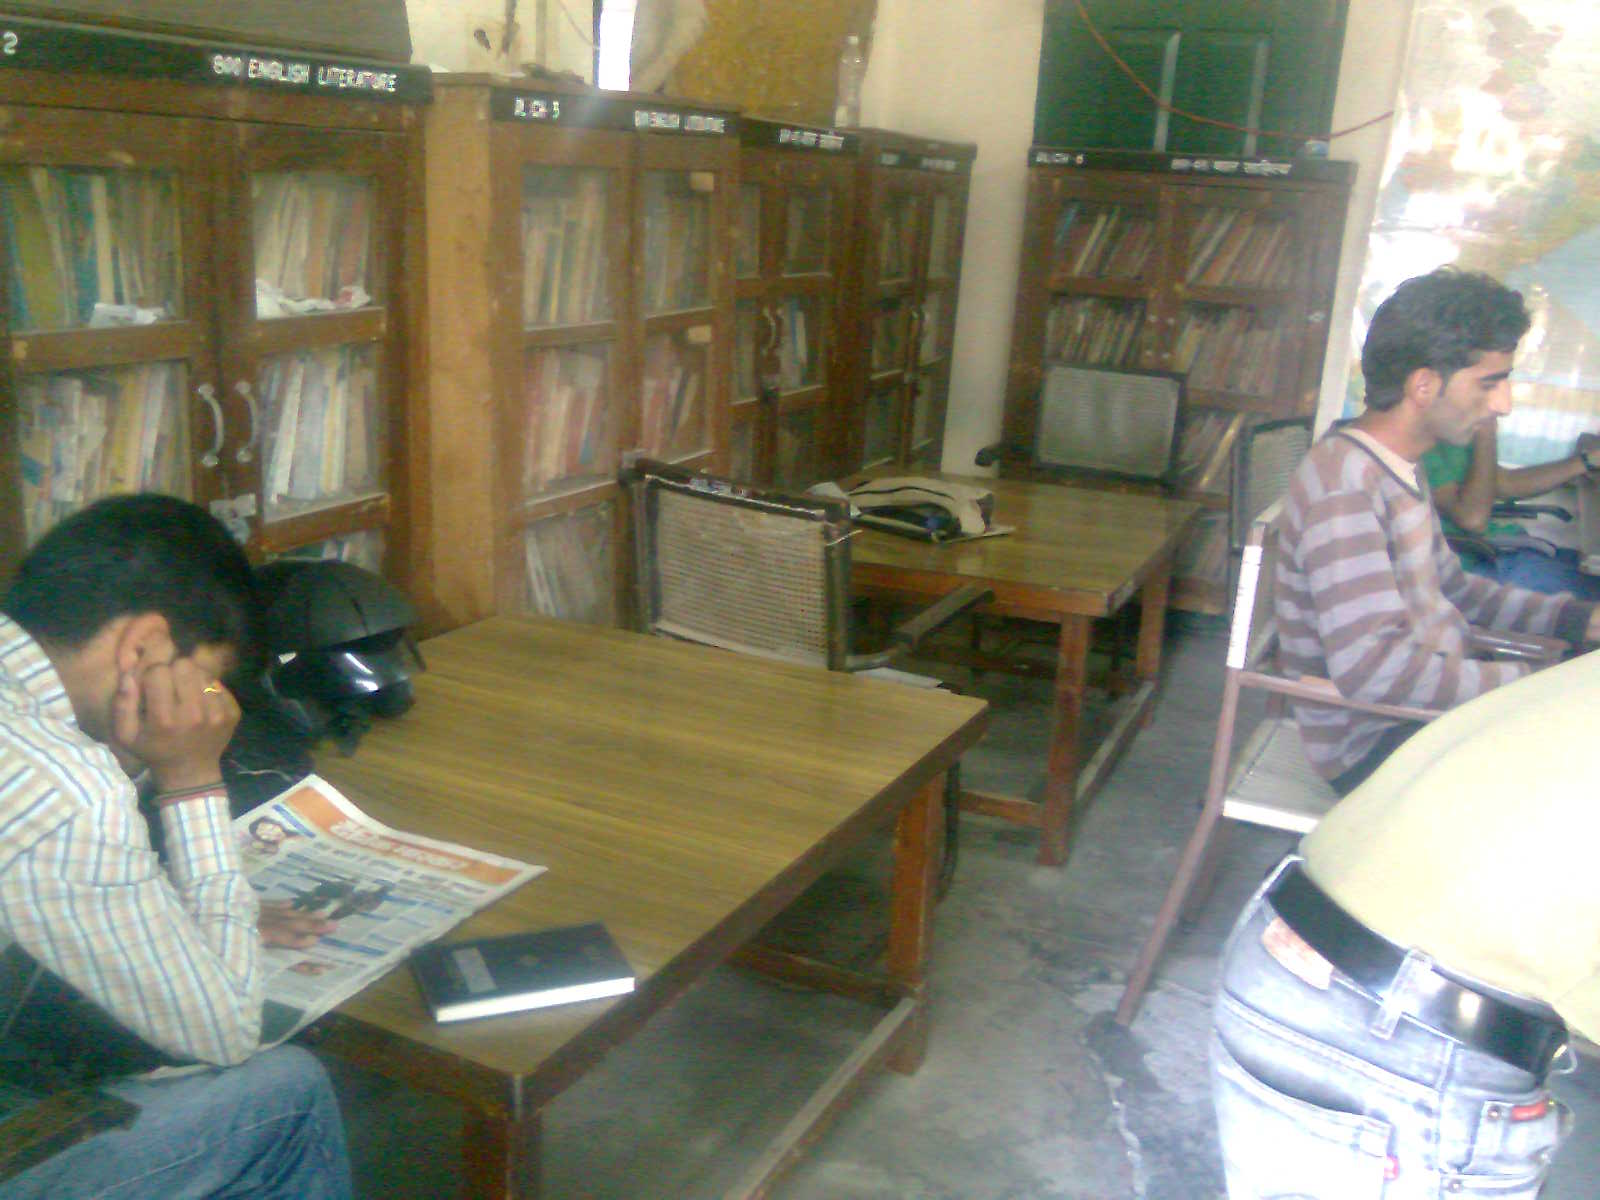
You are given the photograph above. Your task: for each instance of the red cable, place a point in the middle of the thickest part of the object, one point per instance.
(1189, 116)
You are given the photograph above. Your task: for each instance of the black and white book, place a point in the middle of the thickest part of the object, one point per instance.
(520, 971)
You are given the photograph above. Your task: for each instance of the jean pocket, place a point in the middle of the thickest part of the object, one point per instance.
(1278, 1147)
(1512, 1145)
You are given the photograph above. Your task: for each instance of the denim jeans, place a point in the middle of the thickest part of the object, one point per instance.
(268, 1128)
(1314, 1103)
(1537, 572)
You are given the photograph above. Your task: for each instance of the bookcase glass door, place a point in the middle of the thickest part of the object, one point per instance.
(677, 239)
(86, 434)
(104, 233)
(783, 410)
(310, 374)
(674, 406)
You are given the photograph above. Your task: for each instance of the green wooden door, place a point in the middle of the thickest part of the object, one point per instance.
(1267, 64)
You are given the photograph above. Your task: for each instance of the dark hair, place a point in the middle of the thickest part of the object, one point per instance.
(1443, 320)
(126, 555)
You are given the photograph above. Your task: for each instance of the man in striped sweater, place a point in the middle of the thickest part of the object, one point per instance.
(1368, 593)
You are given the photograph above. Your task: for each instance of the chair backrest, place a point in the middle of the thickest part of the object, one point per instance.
(727, 565)
(1117, 422)
(1265, 456)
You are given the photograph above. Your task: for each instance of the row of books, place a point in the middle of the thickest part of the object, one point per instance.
(671, 397)
(364, 548)
(564, 276)
(313, 237)
(894, 240)
(567, 420)
(798, 464)
(795, 358)
(83, 435)
(805, 233)
(1101, 333)
(1227, 350)
(677, 247)
(1100, 241)
(568, 564)
(1205, 445)
(320, 411)
(888, 339)
(939, 248)
(86, 243)
(1204, 553)
(1232, 247)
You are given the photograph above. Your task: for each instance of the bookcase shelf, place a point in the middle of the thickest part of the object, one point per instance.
(797, 191)
(1219, 270)
(580, 310)
(899, 324)
(204, 292)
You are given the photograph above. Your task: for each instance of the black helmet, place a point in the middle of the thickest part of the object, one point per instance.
(337, 648)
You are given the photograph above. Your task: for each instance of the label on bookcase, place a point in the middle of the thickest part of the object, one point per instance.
(48, 46)
(1214, 166)
(797, 137)
(599, 111)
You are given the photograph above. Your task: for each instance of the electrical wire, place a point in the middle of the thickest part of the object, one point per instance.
(1164, 106)
(587, 39)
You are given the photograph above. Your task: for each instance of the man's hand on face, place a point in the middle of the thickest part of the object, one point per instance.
(176, 719)
(281, 924)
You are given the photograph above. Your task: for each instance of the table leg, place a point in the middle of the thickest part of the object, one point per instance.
(911, 912)
(1061, 778)
(1152, 622)
(501, 1156)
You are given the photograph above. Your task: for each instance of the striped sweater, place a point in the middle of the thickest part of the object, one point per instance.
(1369, 595)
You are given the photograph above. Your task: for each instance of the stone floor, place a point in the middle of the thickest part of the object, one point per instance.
(1029, 1092)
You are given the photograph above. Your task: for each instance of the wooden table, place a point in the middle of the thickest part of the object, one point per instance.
(681, 795)
(1076, 554)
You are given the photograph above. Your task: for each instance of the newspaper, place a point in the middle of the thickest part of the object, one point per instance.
(312, 851)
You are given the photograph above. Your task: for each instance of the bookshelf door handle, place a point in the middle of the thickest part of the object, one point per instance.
(245, 452)
(211, 457)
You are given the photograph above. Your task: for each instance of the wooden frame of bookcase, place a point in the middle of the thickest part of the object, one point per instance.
(154, 102)
(1308, 195)
(780, 159)
(894, 164)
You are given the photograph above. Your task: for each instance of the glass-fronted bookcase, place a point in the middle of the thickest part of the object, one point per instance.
(579, 313)
(1221, 271)
(201, 295)
(790, 239)
(911, 218)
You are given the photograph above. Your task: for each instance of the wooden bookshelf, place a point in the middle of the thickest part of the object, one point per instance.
(1222, 270)
(579, 309)
(904, 276)
(797, 187)
(207, 258)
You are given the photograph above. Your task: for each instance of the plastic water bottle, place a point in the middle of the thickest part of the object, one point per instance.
(847, 94)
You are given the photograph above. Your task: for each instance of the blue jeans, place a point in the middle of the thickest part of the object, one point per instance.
(1537, 572)
(265, 1129)
(1315, 1103)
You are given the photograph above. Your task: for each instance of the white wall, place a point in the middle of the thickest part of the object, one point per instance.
(968, 70)
(965, 70)
(1375, 37)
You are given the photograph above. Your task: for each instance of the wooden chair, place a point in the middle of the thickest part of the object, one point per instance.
(1270, 782)
(724, 564)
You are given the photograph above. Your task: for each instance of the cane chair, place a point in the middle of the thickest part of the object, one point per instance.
(1264, 458)
(1097, 423)
(723, 564)
(1270, 782)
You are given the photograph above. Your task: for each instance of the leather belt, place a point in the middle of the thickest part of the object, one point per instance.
(1472, 1017)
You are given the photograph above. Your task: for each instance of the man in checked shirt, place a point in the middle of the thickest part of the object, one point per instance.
(115, 635)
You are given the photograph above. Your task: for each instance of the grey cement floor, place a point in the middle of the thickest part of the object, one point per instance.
(1029, 1092)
